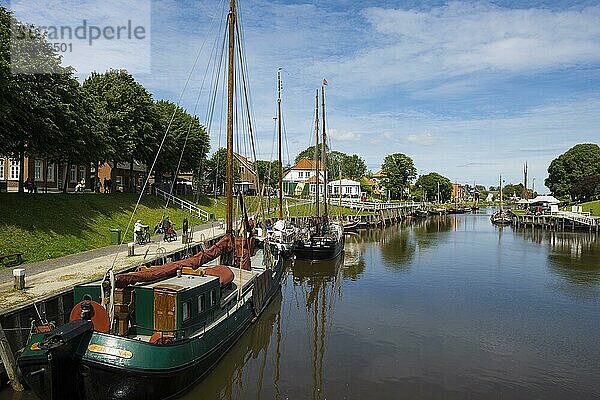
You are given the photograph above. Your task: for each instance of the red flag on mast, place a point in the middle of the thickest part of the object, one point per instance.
(324, 82)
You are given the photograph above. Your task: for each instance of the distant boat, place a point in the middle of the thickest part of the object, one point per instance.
(501, 217)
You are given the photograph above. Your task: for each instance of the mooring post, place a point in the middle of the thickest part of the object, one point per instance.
(8, 359)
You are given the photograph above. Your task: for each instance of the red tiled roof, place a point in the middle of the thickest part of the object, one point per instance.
(306, 163)
(379, 174)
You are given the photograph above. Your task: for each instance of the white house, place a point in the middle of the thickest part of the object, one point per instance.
(299, 174)
(349, 188)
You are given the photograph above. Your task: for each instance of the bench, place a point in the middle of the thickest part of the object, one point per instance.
(12, 260)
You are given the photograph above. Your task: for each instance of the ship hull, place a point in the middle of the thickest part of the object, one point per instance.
(140, 370)
(319, 250)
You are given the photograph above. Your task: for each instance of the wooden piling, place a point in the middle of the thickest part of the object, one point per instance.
(8, 359)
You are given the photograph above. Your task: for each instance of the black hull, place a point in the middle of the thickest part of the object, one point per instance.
(314, 252)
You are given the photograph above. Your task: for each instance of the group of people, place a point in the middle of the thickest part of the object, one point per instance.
(164, 226)
(107, 185)
(30, 186)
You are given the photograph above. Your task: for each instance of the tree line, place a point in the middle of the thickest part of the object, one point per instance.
(109, 117)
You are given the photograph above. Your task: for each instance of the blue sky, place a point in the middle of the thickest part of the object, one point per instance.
(467, 89)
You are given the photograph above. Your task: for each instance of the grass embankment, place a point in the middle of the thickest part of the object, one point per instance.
(593, 205)
(44, 226)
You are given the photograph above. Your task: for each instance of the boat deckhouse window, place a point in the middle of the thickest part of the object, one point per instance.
(201, 303)
(213, 297)
(187, 306)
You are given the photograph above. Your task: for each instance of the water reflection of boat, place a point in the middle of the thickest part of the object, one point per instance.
(225, 381)
(320, 284)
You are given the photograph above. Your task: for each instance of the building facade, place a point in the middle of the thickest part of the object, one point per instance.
(43, 175)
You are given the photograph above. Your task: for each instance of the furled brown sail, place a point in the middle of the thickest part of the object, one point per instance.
(168, 270)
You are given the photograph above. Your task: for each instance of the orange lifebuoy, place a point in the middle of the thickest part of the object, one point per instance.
(98, 314)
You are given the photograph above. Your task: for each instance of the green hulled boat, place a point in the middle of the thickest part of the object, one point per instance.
(169, 333)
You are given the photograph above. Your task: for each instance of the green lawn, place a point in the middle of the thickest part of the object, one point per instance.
(44, 226)
(594, 205)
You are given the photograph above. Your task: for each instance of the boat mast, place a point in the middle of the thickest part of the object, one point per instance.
(324, 152)
(231, 20)
(316, 155)
(500, 193)
(279, 162)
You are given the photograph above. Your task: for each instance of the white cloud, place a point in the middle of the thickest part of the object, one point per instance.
(424, 139)
(460, 40)
(344, 136)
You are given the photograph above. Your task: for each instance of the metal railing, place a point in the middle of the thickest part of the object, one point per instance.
(580, 218)
(185, 205)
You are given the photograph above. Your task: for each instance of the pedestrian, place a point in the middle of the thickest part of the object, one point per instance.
(105, 185)
(166, 224)
(184, 226)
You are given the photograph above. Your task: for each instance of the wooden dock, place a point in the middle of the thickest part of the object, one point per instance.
(559, 221)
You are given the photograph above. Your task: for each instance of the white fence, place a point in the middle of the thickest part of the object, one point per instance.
(185, 205)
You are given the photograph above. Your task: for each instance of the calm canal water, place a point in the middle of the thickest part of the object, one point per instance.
(446, 308)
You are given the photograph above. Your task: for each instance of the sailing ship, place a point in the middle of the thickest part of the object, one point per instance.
(501, 217)
(153, 333)
(322, 238)
(282, 233)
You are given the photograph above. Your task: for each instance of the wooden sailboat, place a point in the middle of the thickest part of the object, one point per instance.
(153, 333)
(322, 239)
(282, 234)
(501, 217)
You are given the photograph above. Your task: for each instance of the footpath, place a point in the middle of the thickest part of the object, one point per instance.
(48, 277)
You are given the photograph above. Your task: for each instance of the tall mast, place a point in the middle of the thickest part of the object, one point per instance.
(324, 152)
(279, 162)
(316, 155)
(500, 193)
(231, 20)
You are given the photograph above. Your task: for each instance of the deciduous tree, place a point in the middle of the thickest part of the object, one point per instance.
(578, 162)
(400, 171)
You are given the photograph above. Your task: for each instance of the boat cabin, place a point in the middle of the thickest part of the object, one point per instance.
(173, 307)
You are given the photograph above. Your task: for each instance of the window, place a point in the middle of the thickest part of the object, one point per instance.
(1, 168)
(201, 303)
(348, 189)
(50, 176)
(73, 173)
(39, 168)
(15, 168)
(300, 174)
(81, 173)
(213, 297)
(186, 308)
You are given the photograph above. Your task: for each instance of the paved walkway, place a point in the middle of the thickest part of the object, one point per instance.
(47, 277)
